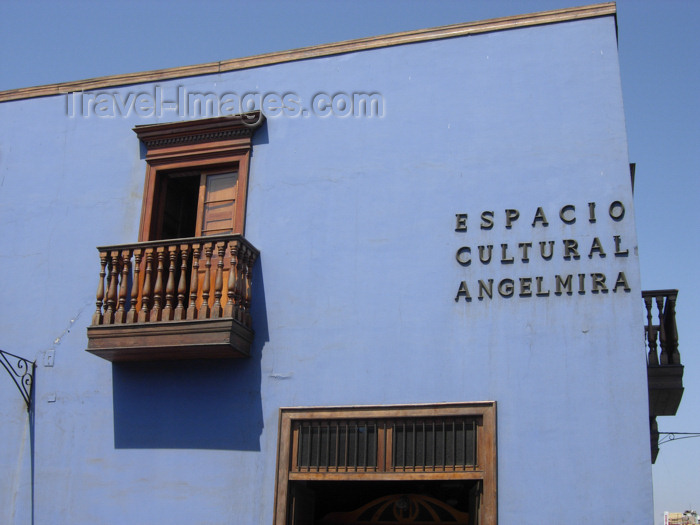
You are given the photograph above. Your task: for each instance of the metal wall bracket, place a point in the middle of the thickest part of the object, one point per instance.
(21, 371)
(675, 436)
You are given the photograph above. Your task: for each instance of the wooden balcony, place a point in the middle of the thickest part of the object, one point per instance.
(664, 368)
(174, 299)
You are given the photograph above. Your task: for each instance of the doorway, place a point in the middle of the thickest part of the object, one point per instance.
(385, 502)
(414, 464)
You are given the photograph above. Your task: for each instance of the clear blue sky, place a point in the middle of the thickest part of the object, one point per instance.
(44, 42)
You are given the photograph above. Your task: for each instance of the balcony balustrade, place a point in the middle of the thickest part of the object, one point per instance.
(174, 299)
(664, 368)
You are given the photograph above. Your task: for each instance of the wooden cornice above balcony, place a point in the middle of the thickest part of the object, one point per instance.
(197, 136)
(304, 53)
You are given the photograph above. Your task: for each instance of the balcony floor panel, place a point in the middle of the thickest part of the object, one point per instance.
(198, 339)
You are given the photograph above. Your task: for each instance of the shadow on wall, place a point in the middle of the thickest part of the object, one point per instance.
(200, 404)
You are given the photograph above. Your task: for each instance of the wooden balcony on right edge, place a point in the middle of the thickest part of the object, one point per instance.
(664, 368)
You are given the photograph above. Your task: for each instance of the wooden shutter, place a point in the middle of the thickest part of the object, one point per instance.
(217, 203)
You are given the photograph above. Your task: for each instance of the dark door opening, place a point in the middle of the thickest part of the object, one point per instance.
(194, 204)
(384, 502)
(179, 207)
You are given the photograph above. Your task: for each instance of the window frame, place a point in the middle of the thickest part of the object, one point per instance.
(223, 143)
(485, 470)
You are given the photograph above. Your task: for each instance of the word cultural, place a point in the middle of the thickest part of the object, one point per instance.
(523, 252)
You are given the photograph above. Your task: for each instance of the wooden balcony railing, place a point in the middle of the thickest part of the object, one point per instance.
(664, 368)
(661, 331)
(174, 299)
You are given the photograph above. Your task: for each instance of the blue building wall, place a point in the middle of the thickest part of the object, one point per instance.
(354, 293)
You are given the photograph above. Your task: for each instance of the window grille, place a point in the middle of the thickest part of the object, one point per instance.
(433, 444)
(337, 445)
(437, 444)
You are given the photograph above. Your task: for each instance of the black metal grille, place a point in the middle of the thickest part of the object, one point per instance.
(398, 444)
(430, 444)
(337, 445)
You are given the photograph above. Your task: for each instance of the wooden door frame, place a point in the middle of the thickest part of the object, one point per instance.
(485, 471)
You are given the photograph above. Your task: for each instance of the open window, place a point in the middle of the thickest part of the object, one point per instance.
(196, 176)
(195, 203)
(423, 464)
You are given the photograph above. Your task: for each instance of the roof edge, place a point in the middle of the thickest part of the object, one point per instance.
(321, 50)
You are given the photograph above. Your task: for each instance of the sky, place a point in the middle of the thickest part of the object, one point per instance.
(44, 42)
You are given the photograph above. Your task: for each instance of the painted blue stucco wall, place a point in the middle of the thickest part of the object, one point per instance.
(354, 292)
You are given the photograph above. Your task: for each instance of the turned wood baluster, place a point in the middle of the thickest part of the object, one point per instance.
(132, 314)
(204, 310)
(671, 330)
(231, 309)
(182, 284)
(651, 333)
(245, 276)
(112, 289)
(97, 316)
(120, 316)
(194, 283)
(146, 295)
(240, 283)
(219, 279)
(663, 356)
(247, 283)
(157, 309)
(170, 286)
